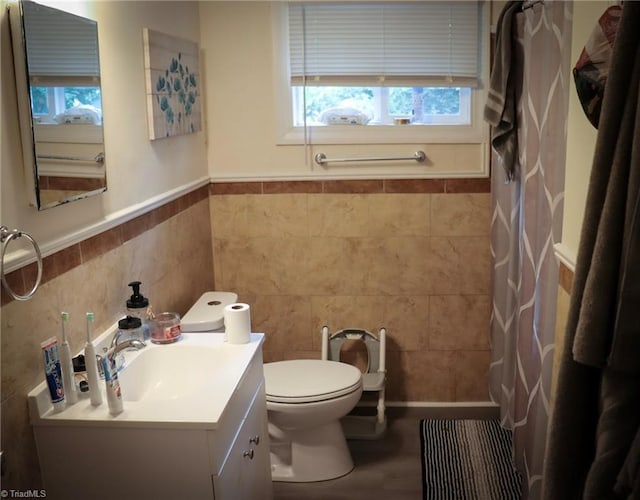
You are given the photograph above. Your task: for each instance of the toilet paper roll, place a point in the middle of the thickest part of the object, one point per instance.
(237, 323)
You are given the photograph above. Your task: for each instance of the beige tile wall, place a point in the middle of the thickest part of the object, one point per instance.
(565, 282)
(173, 260)
(416, 263)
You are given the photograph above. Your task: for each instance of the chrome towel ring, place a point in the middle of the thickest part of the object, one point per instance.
(6, 236)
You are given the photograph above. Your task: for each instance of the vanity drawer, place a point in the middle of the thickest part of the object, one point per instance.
(221, 439)
(246, 471)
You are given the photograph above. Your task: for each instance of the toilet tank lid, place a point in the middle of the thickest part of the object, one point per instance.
(302, 378)
(207, 314)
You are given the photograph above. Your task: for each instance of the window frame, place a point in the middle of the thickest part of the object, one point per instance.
(287, 134)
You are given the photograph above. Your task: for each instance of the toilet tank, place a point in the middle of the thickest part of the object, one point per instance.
(207, 314)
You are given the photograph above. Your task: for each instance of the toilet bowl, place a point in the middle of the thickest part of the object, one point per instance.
(306, 398)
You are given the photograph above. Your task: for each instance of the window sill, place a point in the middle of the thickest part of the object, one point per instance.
(384, 134)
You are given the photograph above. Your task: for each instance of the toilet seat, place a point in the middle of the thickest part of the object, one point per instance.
(309, 380)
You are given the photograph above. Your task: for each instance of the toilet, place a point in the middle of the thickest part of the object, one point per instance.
(306, 398)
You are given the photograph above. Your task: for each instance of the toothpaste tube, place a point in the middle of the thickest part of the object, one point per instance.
(114, 393)
(53, 372)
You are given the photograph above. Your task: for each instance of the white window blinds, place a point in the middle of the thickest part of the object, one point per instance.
(412, 44)
(61, 47)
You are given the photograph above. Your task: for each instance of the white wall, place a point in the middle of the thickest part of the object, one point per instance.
(241, 72)
(139, 172)
(581, 136)
(239, 108)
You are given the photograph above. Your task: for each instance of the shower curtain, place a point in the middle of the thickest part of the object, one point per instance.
(527, 219)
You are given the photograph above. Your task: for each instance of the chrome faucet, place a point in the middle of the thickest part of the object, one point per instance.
(115, 346)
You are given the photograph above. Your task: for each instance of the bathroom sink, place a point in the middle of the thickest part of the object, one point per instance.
(184, 384)
(193, 425)
(169, 374)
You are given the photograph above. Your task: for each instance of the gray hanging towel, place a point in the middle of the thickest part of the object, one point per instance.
(597, 409)
(628, 481)
(608, 330)
(500, 109)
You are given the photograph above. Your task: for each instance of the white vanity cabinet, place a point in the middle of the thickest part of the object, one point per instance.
(246, 472)
(85, 453)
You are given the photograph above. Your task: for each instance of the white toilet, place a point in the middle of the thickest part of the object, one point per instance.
(306, 398)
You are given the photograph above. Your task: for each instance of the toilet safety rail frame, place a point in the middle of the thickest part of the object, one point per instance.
(6, 237)
(374, 378)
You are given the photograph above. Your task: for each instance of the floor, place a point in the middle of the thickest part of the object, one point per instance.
(385, 469)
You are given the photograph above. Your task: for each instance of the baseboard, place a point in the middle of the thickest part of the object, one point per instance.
(422, 409)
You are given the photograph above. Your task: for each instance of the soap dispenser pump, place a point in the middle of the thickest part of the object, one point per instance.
(138, 307)
(137, 301)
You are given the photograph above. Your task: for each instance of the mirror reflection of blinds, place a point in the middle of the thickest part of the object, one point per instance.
(373, 44)
(62, 49)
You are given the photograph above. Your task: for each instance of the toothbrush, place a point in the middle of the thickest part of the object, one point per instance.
(68, 377)
(92, 366)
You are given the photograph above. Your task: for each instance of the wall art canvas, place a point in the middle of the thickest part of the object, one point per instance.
(173, 85)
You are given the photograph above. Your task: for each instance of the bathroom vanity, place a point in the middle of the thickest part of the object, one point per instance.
(194, 426)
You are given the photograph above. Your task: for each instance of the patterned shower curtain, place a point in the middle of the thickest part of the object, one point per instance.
(527, 221)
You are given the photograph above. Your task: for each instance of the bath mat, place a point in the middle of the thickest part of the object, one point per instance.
(467, 460)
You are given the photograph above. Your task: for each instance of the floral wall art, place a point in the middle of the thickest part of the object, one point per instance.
(173, 85)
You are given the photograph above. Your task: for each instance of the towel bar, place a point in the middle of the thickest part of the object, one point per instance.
(418, 156)
(99, 158)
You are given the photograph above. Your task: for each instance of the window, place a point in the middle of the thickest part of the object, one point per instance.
(63, 71)
(381, 105)
(378, 67)
(62, 104)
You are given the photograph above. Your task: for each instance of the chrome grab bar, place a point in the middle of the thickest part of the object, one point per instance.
(99, 158)
(322, 159)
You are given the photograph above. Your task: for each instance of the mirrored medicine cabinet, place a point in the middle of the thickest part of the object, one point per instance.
(59, 96)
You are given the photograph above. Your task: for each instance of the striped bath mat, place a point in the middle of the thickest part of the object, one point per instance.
(467, 460)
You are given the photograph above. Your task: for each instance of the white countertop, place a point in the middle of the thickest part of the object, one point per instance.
(201, 408)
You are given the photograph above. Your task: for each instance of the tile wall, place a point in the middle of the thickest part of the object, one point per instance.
(168, 249)
(412, 256)
(565, 282)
